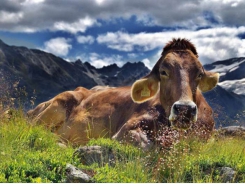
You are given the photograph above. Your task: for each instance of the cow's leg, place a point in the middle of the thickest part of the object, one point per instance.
(133, 134)
(139, 138)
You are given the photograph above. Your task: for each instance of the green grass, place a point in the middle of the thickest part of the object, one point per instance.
(193, 161)
(31, 154)
(129, 164)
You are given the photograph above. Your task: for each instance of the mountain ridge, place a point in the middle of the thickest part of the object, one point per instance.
(49, 75)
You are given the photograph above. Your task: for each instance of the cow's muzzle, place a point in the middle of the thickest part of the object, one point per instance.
(183, 113)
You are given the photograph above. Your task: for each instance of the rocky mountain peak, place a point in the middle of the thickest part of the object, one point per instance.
(133, 65)
(1, 42)
(78, 62)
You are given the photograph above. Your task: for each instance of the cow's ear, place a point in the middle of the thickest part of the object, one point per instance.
(208, 81)
(144, 89)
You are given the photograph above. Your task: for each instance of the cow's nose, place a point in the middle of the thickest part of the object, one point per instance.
(188, 109)
(184, 109)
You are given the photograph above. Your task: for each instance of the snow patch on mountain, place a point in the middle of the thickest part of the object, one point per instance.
(223, 69)
(235, 86)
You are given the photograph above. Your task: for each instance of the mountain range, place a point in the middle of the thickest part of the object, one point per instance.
(228, 98)
(43, 75)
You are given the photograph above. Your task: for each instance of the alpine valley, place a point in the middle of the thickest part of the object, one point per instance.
(43, 75)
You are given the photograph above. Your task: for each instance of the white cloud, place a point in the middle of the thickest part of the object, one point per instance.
(10, 17)
(77, 16)
(146, 19)
(147, 62)
(58, 46)
(85, 39)
(79, 26)
(132, 55)
(128, 42)
(32, 2)
(100, 60)
(99, 2)
(230, 1)
(212, 44)
(151, 61)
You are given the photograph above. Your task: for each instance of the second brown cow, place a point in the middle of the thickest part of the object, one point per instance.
(170, 97)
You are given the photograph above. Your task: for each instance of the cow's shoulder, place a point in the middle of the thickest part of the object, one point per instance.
(99, 88)
(80, 88)
(78, 94)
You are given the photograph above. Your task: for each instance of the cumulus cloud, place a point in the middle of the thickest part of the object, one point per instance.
(42, 15)
(132, 55)
(128, 42)
(99, 2)
(33, 1)
(9, 17)
(10, 6)
(147, 62)
(85, 39)
(100, 60)
(212, 44)
(58, 46)
(79, 26)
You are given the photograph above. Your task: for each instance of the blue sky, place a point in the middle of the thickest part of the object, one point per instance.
(103, 32)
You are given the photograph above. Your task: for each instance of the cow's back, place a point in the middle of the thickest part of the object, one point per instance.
(57, 110)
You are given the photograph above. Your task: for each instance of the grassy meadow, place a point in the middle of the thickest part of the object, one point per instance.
(31, 154)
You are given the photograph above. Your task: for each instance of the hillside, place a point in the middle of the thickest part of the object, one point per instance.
(48, 75)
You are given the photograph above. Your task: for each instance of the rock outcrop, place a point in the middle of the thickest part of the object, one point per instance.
(76, 175)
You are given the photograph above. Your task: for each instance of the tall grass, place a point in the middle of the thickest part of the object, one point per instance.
(30, 154)
(27, 153)
(188, 161)
(195, 161)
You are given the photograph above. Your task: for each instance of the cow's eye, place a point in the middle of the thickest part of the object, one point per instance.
(200, 76)
(163, 73)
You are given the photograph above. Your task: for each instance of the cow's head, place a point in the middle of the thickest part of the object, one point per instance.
(178, 74)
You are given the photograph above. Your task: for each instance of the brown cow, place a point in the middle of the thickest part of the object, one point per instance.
(168, 98)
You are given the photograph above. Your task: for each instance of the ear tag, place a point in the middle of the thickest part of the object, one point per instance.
(145, 92)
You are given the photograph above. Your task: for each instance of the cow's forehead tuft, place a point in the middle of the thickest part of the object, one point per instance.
(180, 44)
